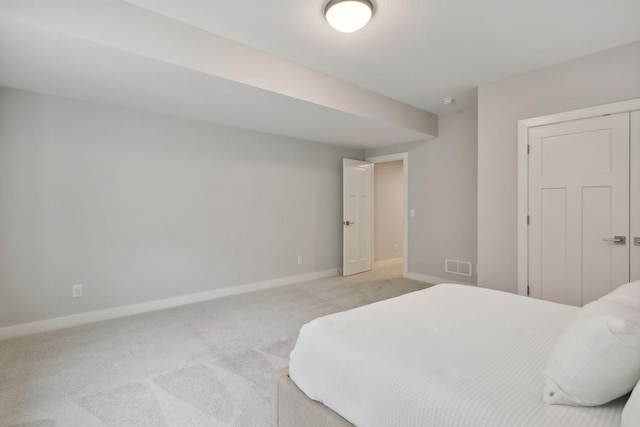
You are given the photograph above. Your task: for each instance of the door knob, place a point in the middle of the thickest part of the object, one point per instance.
(636, 241)
(618, 240)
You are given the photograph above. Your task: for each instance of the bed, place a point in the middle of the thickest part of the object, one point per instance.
(449, 355)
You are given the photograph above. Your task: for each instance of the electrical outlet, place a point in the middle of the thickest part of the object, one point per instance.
(76, 291)
(299, 259)
(412, 213)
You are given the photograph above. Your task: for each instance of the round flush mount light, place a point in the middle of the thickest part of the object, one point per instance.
(348, 15)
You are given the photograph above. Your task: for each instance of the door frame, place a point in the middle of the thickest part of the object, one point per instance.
(405, 214)
(523, 170)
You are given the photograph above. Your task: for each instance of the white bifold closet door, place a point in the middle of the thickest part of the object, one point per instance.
(579, 230)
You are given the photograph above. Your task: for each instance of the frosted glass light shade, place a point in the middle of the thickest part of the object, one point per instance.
(348, 15)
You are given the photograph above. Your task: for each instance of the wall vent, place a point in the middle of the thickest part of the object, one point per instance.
(462, 268)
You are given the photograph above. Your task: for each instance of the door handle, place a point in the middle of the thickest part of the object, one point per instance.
(618, 240)
(348, 223)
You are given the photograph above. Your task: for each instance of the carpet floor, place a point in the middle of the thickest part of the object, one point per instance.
(205, 364)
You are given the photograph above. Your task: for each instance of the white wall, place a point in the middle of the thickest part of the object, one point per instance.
(138, 207)
(388, 210)
(605, 77)
(442, 190)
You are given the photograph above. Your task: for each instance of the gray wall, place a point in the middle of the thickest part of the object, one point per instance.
(388, 210)
(442, 190)
(138, 207)
(605, 77)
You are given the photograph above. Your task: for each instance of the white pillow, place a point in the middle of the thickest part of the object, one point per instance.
(597, 358)
(631, 411)
(628, 295)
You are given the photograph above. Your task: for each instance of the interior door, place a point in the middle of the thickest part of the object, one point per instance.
(357, 216)
(579, 208)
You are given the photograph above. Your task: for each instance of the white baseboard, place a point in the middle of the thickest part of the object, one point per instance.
(432, 279)
(388, 262)
(128, 310)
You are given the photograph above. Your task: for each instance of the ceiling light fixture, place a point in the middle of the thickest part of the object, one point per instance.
(348, 15)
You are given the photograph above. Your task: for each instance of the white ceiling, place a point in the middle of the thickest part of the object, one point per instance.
(54, 64)
(413, 51)
(420, 51)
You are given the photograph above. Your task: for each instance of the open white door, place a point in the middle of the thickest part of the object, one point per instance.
(357, 181)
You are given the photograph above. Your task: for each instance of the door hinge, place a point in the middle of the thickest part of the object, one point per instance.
(528, 220)
(528, 148)
(527, 290)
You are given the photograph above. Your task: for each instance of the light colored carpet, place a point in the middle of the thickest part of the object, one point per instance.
(206, 364)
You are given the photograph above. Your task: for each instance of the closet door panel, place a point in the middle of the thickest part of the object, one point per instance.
(579, 208)
(635, 196)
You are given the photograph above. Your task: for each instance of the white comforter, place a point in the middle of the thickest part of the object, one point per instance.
(447, 356)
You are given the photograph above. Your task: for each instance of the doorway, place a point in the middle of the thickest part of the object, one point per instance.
(390, 220)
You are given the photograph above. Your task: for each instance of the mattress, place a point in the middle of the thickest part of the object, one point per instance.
(449, 355)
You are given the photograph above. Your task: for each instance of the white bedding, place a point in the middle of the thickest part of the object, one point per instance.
(447, 356)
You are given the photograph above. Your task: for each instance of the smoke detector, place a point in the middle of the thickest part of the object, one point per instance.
(447, 101)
